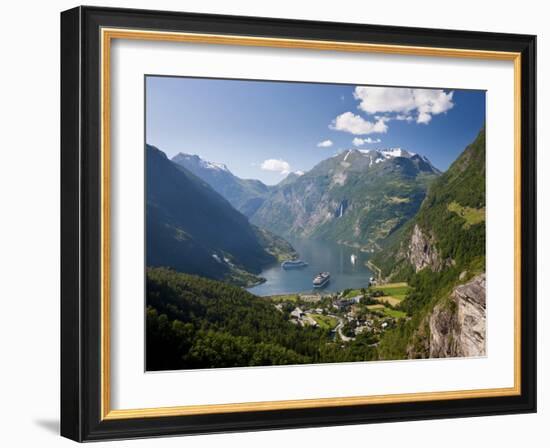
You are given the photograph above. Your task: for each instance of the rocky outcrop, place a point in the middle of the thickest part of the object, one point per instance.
(457, 326)
(422, 252)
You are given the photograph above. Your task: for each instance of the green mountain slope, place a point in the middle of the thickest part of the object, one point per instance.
(192, 229)
(451, 218)
(357, 198)
(440, 252)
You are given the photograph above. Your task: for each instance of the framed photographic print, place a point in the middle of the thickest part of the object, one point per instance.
(273, 223)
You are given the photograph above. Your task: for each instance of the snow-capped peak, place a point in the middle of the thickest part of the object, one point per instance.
(396, 152)
(213, 165)
(388, 153)
(373, 155)
(195, 160)
(376, 156)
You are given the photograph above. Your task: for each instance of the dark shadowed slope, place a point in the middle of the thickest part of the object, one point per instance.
(191, 228)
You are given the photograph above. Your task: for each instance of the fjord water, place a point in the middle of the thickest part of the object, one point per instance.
(321, 256)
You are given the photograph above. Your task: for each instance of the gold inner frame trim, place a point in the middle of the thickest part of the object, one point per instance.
(107, 35)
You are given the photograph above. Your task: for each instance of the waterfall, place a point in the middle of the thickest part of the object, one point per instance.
(342, 208)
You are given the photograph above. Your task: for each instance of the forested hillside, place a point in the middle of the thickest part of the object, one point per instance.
(193, 322)
(440, 249)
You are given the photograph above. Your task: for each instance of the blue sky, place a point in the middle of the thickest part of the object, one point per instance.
(264, 129)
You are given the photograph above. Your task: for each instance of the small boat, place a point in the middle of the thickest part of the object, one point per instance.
(353, 258)
(321, 279)
(293, 264)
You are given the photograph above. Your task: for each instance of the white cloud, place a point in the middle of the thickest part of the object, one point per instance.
(299, 172)
(404, 117)
(325, 144)
(406, 103)
(424, 117)
(361, 141)
(357, 125)
(277, 165)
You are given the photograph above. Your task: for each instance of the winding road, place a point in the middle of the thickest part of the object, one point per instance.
(338, 328)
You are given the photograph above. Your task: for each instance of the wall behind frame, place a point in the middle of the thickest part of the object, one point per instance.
(29, 235)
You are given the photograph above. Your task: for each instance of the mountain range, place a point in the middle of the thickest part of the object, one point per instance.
(357, 197)
(193, 229)
(425, 228)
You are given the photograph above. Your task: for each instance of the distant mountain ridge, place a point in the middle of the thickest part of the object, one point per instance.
(357, 197)
(371, 192)
(366, 158)
(246, 195)
(381, 155)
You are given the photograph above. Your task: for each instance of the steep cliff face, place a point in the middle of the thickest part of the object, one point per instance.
(457, 326)
(422, 251)
(418, 250)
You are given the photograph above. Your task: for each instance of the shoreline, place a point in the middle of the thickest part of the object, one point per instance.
(375, 268)
(356, 249)
(259, 282)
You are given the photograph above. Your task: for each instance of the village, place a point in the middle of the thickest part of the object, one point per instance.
(348, 313)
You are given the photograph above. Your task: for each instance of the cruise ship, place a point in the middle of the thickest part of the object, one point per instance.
(321, 279)
(293, 264)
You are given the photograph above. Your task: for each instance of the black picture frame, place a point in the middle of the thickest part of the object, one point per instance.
(81, 227)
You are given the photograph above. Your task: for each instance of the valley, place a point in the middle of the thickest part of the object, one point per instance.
(192, 229)
(403, 243)
(193, 322)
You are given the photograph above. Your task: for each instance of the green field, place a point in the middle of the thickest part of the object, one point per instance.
(394, 313)
(398, 291)
(387, 311)
(394, 293)
(389, 299)
(472, 216)
(325, 322)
